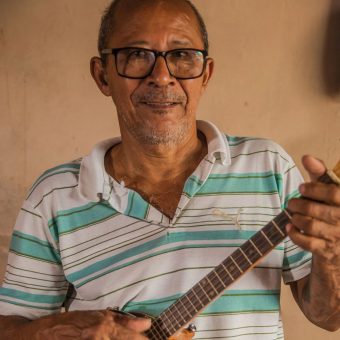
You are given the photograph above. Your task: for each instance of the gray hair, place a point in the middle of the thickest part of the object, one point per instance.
(108, 19)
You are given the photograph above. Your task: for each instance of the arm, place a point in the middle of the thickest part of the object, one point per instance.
(75, 325)
(316, 228)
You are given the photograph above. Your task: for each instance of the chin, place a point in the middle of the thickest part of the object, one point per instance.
(168, 134)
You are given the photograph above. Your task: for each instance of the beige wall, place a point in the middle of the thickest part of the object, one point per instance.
(276, 76)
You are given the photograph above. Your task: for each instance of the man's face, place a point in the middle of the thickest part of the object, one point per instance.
(159, 109)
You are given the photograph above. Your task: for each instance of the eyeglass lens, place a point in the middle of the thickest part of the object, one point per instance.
(134, 62)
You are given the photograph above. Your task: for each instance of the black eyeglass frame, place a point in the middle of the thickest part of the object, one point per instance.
(157, 54)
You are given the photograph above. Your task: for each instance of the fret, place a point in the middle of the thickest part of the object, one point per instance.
(236, 264)
(165, 315)
(265, 236)
(287, 213)
(278, 228)
(184, 307)
(225, 268)
(178, 312)
(204, 291)
(257, 249)
(223, 275)
(243, 253)
(216, 274)
(250, 252)
(169, 311)
(159, 330)
(272, 233)
(187, 297)
(194, 298)
(197, 297)
(213, 286)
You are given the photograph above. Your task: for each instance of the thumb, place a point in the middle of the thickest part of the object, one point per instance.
(314, 167)
(138, 325)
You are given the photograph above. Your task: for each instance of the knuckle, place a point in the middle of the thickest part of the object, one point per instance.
(309, 209)
(332, 215)
(334, 194)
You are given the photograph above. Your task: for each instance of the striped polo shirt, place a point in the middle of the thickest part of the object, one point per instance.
(86, 241)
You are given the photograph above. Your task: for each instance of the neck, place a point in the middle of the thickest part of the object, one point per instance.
(133, 161)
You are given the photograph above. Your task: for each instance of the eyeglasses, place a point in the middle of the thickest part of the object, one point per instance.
(138, 63)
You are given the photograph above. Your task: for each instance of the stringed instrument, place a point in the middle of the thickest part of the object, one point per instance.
(169, 325)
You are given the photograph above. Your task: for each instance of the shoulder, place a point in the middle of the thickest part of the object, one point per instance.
(56, 178)
(257, 152)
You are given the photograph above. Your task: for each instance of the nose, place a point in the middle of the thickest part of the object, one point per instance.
(160, 75)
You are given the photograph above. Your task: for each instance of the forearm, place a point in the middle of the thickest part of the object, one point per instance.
(319, 296)
(15, 327)
(74, 325)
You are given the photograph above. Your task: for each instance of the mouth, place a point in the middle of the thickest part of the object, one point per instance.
(160, 105)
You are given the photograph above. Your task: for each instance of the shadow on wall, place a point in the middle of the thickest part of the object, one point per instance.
(331, 58)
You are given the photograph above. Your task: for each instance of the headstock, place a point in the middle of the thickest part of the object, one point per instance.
(335, 174)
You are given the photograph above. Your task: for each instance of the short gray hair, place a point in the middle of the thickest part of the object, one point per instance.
(108, 20)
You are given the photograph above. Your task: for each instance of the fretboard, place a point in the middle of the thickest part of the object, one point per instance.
(189, 305)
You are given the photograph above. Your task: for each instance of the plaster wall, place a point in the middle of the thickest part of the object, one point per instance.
(276, 76)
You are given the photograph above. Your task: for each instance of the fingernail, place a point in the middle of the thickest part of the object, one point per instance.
(288, 227)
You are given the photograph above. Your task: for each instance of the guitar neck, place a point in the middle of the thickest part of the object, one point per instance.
(189, 305)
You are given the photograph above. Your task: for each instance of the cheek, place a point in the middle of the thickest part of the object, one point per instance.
(121, 92)
(193, 91)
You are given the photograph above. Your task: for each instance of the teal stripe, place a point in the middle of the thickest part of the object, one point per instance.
(137, 207)
(70, 220)
(32, 238)
(192, 185)
(30, 306)
(250, 184)
(170, 250)
(31, 246)
(233, 301)
(245, 301)
(294, 194)
(159, 242)
(29, 297)
(296, 259)
(151, 307)
(54, 171)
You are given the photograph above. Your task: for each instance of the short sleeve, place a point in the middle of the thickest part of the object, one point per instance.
(34, 284)
(296, 261)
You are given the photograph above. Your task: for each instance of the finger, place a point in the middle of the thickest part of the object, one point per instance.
(310, 243)
(122, 333)
(314, 167)
(323, 212)
(316, 228)
(139, 325)
(134, 323)
(327, 193)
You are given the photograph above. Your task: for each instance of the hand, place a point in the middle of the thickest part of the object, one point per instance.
(89, 325)
(316, 224)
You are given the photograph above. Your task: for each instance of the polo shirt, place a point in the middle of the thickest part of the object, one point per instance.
(87, 242)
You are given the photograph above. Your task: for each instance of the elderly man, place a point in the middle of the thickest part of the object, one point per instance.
(138, 222)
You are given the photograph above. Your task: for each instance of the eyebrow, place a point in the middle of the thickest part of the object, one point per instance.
(184, 43)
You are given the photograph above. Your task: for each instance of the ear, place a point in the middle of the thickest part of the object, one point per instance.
(99, 75)
(209, 69)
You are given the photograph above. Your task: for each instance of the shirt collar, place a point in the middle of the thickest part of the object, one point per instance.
(95, 184)
(218, 147)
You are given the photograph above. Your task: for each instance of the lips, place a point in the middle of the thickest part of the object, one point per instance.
(160, 105)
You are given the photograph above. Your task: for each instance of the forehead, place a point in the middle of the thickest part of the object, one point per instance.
(155, 21)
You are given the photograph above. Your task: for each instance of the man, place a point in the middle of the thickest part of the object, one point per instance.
(144, 217)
